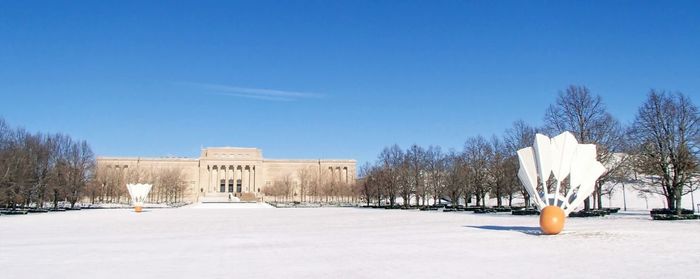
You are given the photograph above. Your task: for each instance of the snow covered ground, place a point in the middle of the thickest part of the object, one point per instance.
(191, 242)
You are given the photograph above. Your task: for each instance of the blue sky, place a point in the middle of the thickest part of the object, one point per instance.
(332, 79)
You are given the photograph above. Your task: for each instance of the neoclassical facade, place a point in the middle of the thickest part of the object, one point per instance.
(237, 171)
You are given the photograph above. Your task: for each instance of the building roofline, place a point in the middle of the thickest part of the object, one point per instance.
(230, 147)
(199, 159)
(309, 160)
(146, 158)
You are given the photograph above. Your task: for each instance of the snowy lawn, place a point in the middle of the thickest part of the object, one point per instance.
(339, 243)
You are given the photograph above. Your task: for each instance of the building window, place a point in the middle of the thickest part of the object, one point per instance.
(239, 186)
(223, 186)
(230, 185)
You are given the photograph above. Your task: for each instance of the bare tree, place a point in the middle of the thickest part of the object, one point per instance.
(169, 184)
(280, 188)
(500, 171)
(404, 178)
(80, 162)
(456, 174)
(520, 135)
(478, 153)
(579, 111)
(435, 169)
(15, 167)
(380, 176)
(306, 176)
(366, 182)
(416, 159)
(511, 180)
(105, 183)
(665, 132)
(391, 160)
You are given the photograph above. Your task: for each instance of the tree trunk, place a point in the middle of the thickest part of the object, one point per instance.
(435, 198)
(55, 199)
(599, 194)
(510, 200)
(678, 199)
(499, 203)
(670, 201)
(526, 196)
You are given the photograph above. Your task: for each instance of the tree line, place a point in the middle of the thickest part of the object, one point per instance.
(309, 184)
(658, 153)
(39, 168)
(109, 184)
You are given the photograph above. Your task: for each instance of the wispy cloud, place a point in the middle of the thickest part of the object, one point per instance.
(252, 93)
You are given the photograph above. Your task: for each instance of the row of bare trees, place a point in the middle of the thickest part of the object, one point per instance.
(109, 184)
(37, 168)
(310, 184)
(429, 175)
(658, 153)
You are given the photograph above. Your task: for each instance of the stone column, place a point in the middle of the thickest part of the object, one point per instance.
(222, 175)
(344, 175)
(226, 175)
(251, 172)
(216, 178)
(255, 179)
(234, 176)
(239, 175)
(212, 177)
(245, 177)
(211, 181)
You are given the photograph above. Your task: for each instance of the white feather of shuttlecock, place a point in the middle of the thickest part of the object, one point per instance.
(138, 193)
(559, 157)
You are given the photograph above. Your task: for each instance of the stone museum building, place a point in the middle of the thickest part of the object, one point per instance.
(221, 172)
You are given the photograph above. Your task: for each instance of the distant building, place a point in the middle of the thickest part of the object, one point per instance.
(236, 171)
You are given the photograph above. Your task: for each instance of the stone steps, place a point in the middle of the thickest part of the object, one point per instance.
(219, 198)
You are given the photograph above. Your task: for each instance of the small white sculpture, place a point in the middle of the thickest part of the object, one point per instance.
(138, 193)
(559, 157)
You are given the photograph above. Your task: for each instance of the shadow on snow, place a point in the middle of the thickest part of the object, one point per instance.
(520, 229)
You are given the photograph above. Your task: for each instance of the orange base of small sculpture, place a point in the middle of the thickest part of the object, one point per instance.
(552, 220)
(137, 209)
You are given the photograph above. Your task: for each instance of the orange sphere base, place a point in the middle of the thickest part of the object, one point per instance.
(552, 220)
(137, 208)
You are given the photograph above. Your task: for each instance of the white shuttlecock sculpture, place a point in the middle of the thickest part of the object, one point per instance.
(559, 157)
(138, 193)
